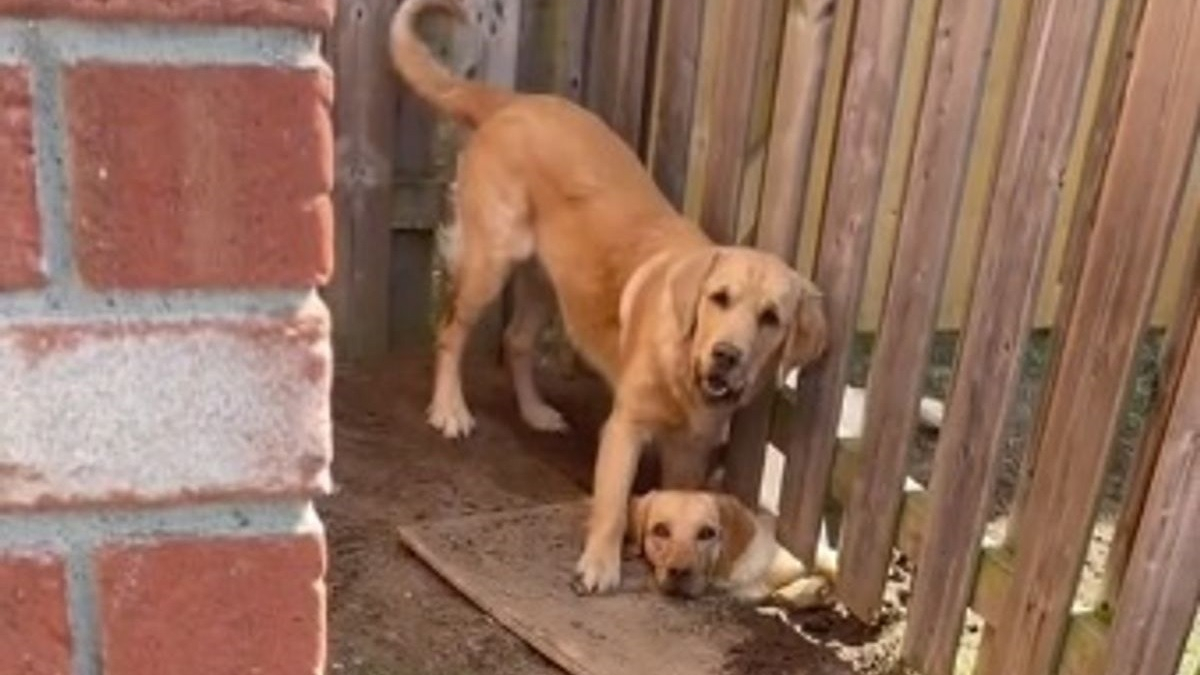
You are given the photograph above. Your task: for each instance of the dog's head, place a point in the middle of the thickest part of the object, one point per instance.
(741, 309)
(688, 536)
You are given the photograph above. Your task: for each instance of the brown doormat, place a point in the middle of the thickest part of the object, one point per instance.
(516, 565)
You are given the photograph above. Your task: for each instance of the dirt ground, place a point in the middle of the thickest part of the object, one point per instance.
(390, 615)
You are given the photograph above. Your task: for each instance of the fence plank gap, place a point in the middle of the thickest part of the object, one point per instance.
(926, 230)
(1147, 170)
(1018, 232)
(1159, 596)
(855, 182)
(1086, 633)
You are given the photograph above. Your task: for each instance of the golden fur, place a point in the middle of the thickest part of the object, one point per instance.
(682, 330)
(696, 541)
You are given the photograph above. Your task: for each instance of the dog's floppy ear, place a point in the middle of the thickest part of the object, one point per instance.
(737, 529)
(685, 279)
(807, 340)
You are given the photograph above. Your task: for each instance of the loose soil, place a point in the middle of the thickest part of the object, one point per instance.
(390, 615)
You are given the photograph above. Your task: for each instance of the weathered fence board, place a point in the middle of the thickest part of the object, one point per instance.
(1174, 353)
(802, 65)
(926, 230)
(1159, 597)
(1103, 102)
(678, 59)
(364, 114)
(867, 104)
(1147, 169)
(550, 55)
(735, 48)
(618, 50)
(1018, 232)
(898, 160)
(825, 136)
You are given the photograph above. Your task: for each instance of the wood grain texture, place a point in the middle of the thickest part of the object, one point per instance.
(739, 37)
(807, 30)
(365, 126)
(1175, 349)
(1020, 225)
(550, 56)
(1103, 101)
(619, 65)
(926, 230)
(674, 96)
(1147, 170)
(867, 105)
(1159, 596)
(825, 134)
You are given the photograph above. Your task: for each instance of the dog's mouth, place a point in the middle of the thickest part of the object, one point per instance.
(686, 587)
(718, 388)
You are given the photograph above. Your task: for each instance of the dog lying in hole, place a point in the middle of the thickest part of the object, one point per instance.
(697, 541)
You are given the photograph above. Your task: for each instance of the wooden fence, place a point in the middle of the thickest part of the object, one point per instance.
(987, 166)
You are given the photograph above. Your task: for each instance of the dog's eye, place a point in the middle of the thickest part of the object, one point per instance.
(661, 531)
(768, 317)
(720, 298)
(706, 533)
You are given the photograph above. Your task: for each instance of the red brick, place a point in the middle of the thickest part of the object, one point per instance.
(34, 636)
(213, 607)
(301, 13)
(205, 177)
(20, 236)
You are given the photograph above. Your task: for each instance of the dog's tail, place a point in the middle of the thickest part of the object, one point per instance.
(468, 102)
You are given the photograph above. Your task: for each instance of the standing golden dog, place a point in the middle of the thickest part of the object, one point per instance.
(682, 330)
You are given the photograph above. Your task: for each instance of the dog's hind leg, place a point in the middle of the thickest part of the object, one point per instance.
(533, 307)
(491, 241)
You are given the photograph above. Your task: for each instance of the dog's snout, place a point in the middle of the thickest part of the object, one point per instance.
(726, 356)
(678, 573)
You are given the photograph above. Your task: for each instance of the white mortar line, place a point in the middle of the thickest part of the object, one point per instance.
(65, 303)
(68, 530)
(170, 44)
(10, 47)
(83, 612)
(50, 162)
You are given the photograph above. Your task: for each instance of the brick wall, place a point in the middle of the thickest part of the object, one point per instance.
(165, 170)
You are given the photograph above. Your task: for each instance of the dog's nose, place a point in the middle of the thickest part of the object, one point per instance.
(678, 573)
(725, 356)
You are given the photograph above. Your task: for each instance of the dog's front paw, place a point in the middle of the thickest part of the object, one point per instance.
(597, 572)
(454, 420)
(804, 593)
(544, 418)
